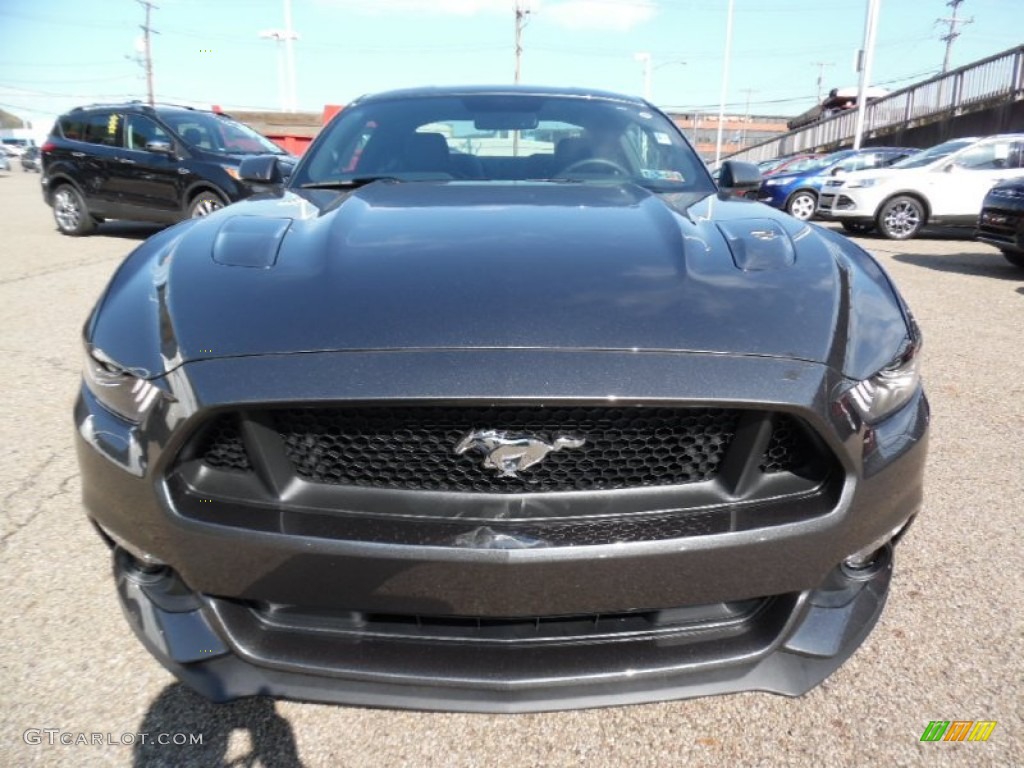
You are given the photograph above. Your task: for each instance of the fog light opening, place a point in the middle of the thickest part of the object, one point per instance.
(142, 569)
(865, 559)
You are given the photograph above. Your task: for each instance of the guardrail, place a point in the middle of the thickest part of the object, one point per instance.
(982, 82)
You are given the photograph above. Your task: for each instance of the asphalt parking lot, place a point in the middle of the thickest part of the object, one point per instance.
(948, 646)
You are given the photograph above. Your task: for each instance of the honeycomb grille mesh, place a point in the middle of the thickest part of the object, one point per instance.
(787, 450)
(221, 445)
(413, 447)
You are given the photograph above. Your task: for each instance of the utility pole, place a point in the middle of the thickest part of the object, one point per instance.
(746, 121)
(952, 35)
(821, 73)
(521, 14)
(147, 51)
(646, 59)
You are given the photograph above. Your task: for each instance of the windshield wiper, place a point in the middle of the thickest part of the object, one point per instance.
(358, 181)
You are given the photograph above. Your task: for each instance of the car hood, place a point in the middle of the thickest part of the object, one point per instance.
(399, 266)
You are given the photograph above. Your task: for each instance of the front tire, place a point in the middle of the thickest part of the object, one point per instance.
(802, 205)
(71, 213)
(204, 204)
(1014, 257)
(900, 218)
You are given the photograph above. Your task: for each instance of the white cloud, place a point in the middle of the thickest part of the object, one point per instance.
(600, 14)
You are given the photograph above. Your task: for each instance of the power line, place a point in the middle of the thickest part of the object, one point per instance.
(952, 34)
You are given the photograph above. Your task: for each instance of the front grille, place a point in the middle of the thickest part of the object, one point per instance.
(412, 448)
(358, 465)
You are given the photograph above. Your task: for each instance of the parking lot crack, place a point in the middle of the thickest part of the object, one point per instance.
(26, 487)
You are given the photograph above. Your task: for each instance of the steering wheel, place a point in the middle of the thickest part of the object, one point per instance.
(598, 161)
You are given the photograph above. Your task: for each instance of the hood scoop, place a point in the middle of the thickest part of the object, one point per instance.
(758, 245)
(249, 241)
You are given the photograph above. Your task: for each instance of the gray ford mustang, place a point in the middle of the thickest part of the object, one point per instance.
(497, 403)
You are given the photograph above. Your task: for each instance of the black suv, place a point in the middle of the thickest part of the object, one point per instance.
(133, 161)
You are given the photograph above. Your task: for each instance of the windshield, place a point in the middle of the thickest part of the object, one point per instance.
(933, 154)
(503, 137)
(818, 163)
(804, 164)
(218, 133)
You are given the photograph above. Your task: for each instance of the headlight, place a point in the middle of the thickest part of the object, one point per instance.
(118, 390)
(889, 389)
(855, 183)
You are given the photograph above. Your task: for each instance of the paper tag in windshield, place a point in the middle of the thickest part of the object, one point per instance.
(650, 173)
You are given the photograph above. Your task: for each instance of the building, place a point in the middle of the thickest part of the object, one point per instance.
(739, 132)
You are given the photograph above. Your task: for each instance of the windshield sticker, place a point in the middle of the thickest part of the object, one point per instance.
(662, 138)
(650, 173)
(644, 115)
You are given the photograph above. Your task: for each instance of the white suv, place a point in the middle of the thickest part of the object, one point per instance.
(942, 185)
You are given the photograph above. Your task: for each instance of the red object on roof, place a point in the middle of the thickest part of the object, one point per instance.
(330, 110)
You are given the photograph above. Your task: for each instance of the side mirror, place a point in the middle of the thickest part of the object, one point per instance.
(737, 177)
(160, 147)
(263, 169)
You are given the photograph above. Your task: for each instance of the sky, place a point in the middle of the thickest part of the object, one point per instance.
(57, 54)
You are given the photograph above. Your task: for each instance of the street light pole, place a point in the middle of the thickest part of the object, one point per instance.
(278, 35)
(289, 52)
(725, 84)
(866, 58)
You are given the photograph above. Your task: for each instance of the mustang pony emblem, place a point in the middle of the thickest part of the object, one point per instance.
(509, 454)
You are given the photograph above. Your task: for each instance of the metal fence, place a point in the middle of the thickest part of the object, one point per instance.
(999, 77)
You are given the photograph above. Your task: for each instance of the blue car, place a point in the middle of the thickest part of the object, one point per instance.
(797, 193)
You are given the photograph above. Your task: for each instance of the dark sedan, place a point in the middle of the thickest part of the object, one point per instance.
(1002, 220)
(498, 404)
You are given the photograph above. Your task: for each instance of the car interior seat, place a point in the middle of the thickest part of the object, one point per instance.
(426, 153)
(193, 137)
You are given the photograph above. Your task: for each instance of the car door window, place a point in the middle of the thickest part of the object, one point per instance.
(102, 128)
(996, 155)
(140, 130)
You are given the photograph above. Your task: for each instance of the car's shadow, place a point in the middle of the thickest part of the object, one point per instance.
(128, 230)
(968, 262)
(178, 716)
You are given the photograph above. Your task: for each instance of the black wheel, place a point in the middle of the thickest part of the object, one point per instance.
(204, 204)
(900, 218)
(858, 227)
(1014, 257)
(70, 212)
(802, 205)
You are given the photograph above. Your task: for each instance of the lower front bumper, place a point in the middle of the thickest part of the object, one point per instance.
(217, 648)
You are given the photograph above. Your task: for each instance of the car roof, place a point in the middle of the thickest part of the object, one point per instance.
(501, 90)
(141, 106)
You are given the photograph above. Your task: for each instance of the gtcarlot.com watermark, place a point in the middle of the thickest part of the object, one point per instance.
(56, 736)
